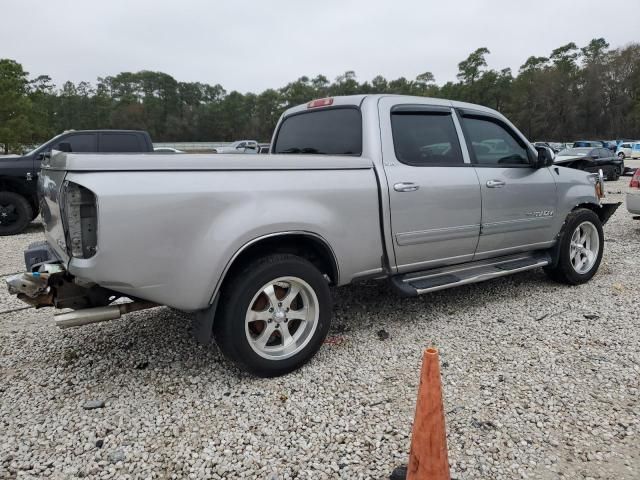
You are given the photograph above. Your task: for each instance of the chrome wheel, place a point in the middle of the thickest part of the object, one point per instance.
(584, 247)
(282, 318)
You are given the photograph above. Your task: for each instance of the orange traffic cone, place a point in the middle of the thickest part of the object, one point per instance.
(428, 459)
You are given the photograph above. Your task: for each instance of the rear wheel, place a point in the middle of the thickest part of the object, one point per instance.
(621, 155)
(581, 248)
(15, 213)
(274, 316)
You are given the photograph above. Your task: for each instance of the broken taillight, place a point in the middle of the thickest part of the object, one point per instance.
(80, 214)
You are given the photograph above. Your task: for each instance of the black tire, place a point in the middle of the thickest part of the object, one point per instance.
(15, 213)
(236, 298)
(564, 272)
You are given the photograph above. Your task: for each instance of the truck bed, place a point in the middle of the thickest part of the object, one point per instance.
(169, 225)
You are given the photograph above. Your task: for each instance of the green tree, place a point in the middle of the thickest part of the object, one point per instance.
(15, 105)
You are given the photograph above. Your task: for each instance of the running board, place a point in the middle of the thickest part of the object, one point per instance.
(417, 283)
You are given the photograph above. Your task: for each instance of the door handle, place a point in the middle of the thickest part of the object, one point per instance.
(496, 183)
(406, 187)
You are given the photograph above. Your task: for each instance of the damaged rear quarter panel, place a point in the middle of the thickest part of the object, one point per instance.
(167, 236)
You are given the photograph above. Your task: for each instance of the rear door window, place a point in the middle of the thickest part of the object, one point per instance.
(120, 142)
(80, 142)
(425, 139)
(334, 131)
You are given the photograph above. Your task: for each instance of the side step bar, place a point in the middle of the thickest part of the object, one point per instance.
(417, 283)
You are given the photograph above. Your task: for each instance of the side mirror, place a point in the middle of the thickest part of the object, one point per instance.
(64, 147)
(545, 157)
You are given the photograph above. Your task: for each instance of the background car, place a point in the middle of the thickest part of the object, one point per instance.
(240, 146)
(588, 143)
(167, 150)
(591, 160)
(624, 149)
(635, 150)
(554, 146)
(633, 194)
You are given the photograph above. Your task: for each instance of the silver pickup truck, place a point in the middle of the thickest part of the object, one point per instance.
(425, 193)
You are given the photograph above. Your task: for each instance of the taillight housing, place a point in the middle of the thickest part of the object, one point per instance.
(320, 102)
(81, 220)
(635, 180)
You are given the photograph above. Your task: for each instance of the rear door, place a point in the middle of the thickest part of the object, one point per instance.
(434, 194)
(518, 200)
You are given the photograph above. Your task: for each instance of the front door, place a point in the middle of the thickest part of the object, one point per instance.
(518, 200)
(433, 190)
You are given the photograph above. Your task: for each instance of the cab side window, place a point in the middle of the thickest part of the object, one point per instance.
(492, 144)
(80, 143)
(120, 142)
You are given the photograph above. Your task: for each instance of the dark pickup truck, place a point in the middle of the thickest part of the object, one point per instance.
(18, 174)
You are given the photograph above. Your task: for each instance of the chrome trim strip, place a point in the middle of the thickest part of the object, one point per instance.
(515, 225)
(437, 234)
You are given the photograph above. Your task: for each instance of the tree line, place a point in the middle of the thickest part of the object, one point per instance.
(588, 92)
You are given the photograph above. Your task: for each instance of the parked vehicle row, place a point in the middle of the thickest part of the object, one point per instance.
(427, 193)
(629, 150)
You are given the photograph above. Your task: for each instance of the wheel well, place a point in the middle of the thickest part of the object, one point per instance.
(306, 246)
(15, 186)
(598, 210)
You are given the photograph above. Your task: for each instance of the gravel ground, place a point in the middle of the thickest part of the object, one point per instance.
(540, 381)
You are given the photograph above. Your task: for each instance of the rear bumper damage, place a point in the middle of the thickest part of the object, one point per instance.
(49, 284)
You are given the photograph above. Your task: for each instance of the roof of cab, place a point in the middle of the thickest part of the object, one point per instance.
(357, 100)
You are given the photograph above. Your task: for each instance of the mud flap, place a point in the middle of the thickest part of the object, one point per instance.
(607, 210)
(202, 323)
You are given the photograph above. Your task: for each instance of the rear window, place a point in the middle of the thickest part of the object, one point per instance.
(119, 142)
(335, 131)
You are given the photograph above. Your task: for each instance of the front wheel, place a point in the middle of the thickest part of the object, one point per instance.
(621, 156)
(274, 315)
(581, 248)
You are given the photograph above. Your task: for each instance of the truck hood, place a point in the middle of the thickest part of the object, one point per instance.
(154, 162)
(9, 157)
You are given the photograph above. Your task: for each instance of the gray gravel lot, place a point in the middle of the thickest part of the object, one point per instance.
(540, 381)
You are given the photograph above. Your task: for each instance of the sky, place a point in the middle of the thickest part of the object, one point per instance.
(254, 45)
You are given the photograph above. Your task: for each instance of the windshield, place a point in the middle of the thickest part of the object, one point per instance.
(40, 146)
(574, 152)
(334, 131)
